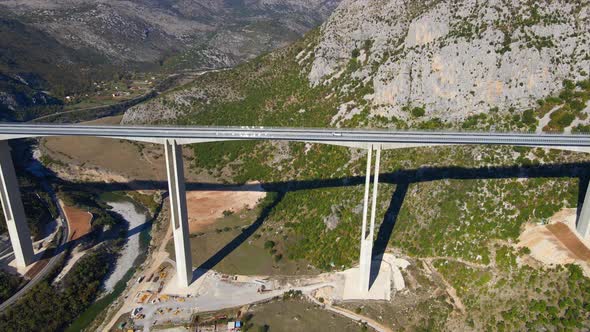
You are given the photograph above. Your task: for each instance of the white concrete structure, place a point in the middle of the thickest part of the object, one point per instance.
(178, 212)
(583, 226)
(368, 234)
(174, 137)
(13, 209)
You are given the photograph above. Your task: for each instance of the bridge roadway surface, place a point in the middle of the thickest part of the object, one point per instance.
(328, 136)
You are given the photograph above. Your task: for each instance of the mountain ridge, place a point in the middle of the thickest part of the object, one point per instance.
(404, 64)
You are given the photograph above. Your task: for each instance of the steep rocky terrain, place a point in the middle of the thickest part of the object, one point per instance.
(456, 58)
(445, 61)
(61, 46)
(223, 32)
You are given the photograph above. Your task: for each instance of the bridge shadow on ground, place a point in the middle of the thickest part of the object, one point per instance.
(386, 229)
(401, 178)
(238, 240)
(422, 174)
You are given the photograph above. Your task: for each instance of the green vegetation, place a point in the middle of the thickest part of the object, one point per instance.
(295, 314)
(556, 298)
(97, 308)
(52, 308)
(467, 213)
(302, 213)
(9, 284)
(87, 200)
(418, 112)
(571, 102)
(149, 202)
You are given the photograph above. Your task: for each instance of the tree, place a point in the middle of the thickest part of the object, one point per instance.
(418, 112)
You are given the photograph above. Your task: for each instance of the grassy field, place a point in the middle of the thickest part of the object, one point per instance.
(235, 244)
(293, 315)
(85, 156)
(120, 157)
(299, 316)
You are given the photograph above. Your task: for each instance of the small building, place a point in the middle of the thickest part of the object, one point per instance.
(234, 326)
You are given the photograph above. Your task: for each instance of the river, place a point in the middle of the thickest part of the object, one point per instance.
(131, 249)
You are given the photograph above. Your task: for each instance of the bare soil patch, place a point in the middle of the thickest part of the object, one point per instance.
(78, 222)
(565, 235)
(205, 207)
(37, 267)
(557, 242)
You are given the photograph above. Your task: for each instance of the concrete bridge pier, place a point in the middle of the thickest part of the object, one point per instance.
(178, 212)
(13, 209)
(368, 234)
(583, 224)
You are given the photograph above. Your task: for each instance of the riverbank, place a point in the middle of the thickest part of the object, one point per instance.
(133, 253)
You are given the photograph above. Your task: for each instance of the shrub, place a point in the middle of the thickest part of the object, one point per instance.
(577, 105)
(418, 112)
(528, 117)
(569, 85)
(269, 244)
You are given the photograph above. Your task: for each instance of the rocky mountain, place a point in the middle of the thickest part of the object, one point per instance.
(432, 63)
(68, 44)
(222, 32)
(16, 94)
(456, 58)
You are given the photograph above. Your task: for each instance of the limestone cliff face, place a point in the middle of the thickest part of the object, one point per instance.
(455, 58)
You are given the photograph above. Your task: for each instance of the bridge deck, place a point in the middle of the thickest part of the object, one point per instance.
(324, 135)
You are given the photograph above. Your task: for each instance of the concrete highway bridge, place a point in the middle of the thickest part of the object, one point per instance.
(174, 137)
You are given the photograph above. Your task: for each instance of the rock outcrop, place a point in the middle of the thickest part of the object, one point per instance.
(455, 58)
(395, 63)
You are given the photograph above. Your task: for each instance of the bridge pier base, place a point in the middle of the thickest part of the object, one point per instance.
(368, 234)
(178, 212)
(583, 224)
(13, 209)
